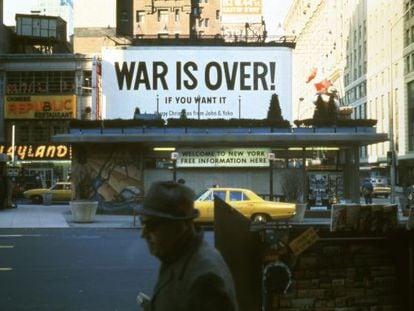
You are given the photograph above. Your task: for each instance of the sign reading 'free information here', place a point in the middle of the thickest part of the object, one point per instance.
(215, 157)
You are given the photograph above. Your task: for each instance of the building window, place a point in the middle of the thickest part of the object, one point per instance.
(196, 12)
(125, 16)
(87, 83)
(200, 22)
(54, 82)
(412, 35)
(411, 66)
(26, 83)
(68, 82)
(177, 15)
(40, 134)
(217, 14)
(40, 82)
(206, 22)
(140, 16)
(163, 16)
(22, 133)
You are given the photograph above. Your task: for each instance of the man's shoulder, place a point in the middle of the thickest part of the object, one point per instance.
(207, 258)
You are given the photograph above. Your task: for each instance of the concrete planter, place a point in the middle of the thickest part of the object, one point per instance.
(47, 198)
(300, 212)
(83, 211)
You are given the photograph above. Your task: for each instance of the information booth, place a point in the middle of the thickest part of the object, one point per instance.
(126, 160)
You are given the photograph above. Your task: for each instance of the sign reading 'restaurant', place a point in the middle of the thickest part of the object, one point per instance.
(215, 157)
(208, 82)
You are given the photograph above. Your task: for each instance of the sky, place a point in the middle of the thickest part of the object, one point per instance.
(11, 7)
(273, 12)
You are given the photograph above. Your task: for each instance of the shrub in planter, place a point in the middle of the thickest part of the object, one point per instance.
(227, 123)
(335, 122)
(83, 205)
(116, 123)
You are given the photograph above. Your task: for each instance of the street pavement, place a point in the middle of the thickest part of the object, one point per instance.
(58, 216)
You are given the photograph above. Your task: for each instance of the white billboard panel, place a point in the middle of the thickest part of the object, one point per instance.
(208, 82)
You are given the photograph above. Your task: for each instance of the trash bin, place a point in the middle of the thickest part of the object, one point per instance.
(47, 198)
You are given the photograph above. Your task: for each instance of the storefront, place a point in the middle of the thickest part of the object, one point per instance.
(41, 94)
(37, 166)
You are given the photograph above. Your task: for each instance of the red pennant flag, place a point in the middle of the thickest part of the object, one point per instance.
(312, 74)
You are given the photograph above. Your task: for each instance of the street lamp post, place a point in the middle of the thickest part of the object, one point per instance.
(271, 158)
(174, 157)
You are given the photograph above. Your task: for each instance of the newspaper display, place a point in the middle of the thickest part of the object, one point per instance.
(364, 218)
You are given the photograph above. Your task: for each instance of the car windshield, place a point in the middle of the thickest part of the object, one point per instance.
(204, 195)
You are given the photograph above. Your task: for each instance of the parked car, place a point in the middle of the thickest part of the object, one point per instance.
(246, 202)
(381, 190)
(61, 191)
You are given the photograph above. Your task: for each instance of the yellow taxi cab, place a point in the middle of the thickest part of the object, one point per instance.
(381, 190)
(244, 201)
(61, 191)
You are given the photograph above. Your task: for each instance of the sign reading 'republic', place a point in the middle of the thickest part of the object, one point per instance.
(215, 157)
(40, 107)
(208, 82)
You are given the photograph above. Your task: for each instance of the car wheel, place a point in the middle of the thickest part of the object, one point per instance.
(37, 199)
(260, 218)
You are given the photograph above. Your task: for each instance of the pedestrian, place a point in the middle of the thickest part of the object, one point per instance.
(193, 275)
(367, 189)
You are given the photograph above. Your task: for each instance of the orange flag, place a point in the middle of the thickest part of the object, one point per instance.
(312, 74)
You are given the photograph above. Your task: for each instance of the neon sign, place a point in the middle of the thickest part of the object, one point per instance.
(39, 152)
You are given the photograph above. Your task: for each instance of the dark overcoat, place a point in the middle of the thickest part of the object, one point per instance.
(199, 280)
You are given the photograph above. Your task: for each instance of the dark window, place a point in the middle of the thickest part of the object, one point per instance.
(140, 16)
(87, 83)
(410, 95)
(54, 82)
(221, 194)
(40, 134)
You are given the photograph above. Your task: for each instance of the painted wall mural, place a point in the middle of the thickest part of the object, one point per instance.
(112, 176)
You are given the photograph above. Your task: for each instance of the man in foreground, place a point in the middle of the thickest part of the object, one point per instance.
(193, 275)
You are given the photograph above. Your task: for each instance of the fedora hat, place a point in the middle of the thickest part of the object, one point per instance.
(169, 200)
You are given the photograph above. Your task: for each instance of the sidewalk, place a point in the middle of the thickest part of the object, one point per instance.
(57, 216)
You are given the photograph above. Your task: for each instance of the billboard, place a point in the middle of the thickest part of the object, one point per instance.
(241, 11)
(214, 82)
(40, 107)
